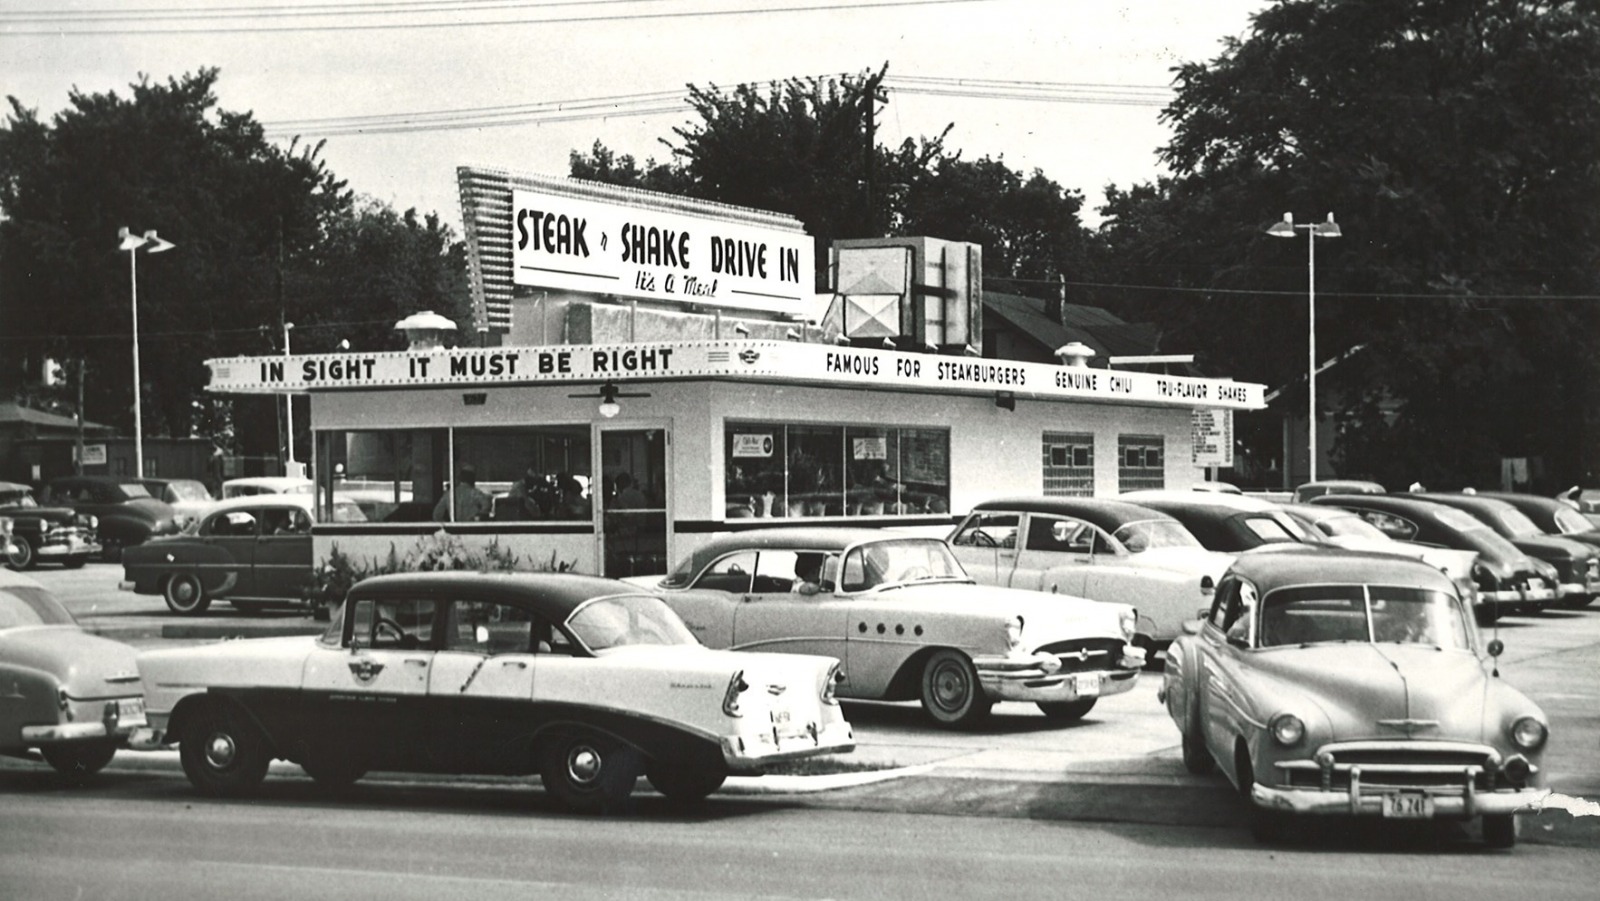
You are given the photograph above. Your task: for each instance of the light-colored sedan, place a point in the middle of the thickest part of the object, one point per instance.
(1107, 550)
(1345, 683)
(587, 682)
(73, 697)
(906, 619)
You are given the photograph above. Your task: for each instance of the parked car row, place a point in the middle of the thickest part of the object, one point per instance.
(1321, 671)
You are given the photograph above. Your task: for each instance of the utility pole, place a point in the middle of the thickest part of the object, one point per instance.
(872, 94)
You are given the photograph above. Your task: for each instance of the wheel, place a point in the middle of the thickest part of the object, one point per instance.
(1500, 831)
(1267, 827)
(589, 773)
(684, 784)
(185, 595)
(222, 754)
(333, 771)
(80, 759)
(75, 562)
(22, 555)
(1067, 711)
(950, 690)
(1196, 757)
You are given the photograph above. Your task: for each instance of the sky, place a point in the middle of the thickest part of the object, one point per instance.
(404, 91)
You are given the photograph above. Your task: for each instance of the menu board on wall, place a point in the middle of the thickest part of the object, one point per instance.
(747, 444)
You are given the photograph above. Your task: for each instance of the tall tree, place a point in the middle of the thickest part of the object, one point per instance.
(1454, 140)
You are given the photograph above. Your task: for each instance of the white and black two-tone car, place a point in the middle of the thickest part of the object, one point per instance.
(587, 682)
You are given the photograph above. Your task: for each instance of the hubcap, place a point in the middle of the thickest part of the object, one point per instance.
(583, 764)
(183, 592)
(950, 687)
(220, 750)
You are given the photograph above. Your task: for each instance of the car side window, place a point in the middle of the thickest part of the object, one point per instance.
(1397, 527)
(392, 624)
(1226, 592)
(1058, 534)
(775, 572)
(485, 627)
(276, 521)
(731, 573)
(986, 529)
(1236, 621)
(235, 523)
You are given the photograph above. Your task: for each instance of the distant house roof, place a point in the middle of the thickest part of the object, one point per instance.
(11, 412)
(1048, 324)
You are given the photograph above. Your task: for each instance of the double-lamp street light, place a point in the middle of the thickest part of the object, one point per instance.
(1314, 230)
(132, 243)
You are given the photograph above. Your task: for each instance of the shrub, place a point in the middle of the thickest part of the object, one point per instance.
(333, 578)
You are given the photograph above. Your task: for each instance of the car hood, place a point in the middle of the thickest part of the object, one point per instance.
(1372, 691)
(1196, 560)
(1551, 547)
(88, 666)
(1046, 617)
(1453, 563)
(47, 514)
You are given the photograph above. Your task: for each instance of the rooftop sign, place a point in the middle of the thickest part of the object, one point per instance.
(759, 361)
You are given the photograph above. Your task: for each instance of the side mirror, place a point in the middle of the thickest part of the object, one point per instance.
(1496, 647)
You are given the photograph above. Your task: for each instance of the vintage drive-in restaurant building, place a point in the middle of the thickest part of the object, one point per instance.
(665, 370)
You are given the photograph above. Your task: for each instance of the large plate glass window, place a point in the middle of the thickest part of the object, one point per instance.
(1141, 462)
(777, 470)
(1068, 464)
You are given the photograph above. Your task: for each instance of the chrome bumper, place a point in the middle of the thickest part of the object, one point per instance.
(1035, 687)
(1448, 802)
(749, 753)
(70, 549)
(65, 732)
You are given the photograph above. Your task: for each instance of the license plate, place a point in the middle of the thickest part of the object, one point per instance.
(780, 717)
(1407, 806)
(130, 712)
(1086, 685)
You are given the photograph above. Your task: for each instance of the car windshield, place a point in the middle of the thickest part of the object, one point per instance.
(133, 490)
(24, 498)
(189, 490)
(1516, 523)
(1567, 520)
(347, 511)
(1154, 533)
(27, 605)
(1386, 614)
(896, 562)
(614, 622)
(1270, 530)
(1351, 526)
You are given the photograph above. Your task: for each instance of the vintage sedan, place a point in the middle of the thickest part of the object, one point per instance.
(1577, 564)
(45, 534)
(1507, 579)
(123, 508)
(1098, 548)
(1344, 528)
(1227, 523)
(73, 697)
(252, 551)
(1554, 517)
(906, 620)
(1345, 683)
(587, 682)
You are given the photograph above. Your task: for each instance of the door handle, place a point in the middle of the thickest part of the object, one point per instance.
(414, 661)
(519, 664)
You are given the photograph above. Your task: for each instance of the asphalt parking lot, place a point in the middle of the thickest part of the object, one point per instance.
(1121, 763)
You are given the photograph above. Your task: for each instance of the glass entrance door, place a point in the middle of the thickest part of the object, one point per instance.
(631, 499)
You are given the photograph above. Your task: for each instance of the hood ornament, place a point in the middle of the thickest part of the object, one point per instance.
(1409, 726)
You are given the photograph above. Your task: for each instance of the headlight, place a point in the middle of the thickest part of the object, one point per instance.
(1014, 633)
(1129, 621)
(1287, 729)
(1528, 733)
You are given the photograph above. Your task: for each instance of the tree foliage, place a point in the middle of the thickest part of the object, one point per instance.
(263, 233)
(1455, 142)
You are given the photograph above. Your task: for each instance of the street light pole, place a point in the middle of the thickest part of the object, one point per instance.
(288, 412)
(132, 243)
(1314, 230)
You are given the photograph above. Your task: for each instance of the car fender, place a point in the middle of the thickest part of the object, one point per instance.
(1248, 713)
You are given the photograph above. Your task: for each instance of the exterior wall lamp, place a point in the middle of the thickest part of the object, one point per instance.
(1313, 230)
(132, 243)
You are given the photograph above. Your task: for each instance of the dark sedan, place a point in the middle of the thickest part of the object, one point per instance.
(1507, 578)
(252, 551)
(1555, 517)
(1225, 522)
(45, 534)
(127, 513)
(1577, 564)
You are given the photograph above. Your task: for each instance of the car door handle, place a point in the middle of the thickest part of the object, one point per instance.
(519, 664)
(415, 661)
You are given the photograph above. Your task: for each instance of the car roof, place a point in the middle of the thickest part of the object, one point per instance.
(1409, 502)
(1355, 484)
(267, 481)
(1318, 512)
(1198, 500)
(1270, 570)
(1107, 513)
(15, 486)
(12, 579)
(551, 595)
(1470, 502)
(799, 538)
(300, 501)
(1534, 501)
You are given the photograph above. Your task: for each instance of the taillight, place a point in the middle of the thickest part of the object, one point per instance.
(736, 687)
(830, 685)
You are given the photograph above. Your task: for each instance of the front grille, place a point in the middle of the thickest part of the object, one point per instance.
(1398, 764)
(1086, 655)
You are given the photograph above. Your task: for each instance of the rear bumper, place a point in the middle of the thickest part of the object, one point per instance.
(750, 753)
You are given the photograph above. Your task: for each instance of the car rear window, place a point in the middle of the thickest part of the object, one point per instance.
(1459, 520)
(25, 605)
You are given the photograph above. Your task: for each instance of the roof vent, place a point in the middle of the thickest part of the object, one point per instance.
(425, 330)
(1075, 354)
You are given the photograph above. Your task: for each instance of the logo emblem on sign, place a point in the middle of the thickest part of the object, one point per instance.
(365, 670)
(749, 357)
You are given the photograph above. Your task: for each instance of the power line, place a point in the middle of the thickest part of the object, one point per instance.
(848, 5)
